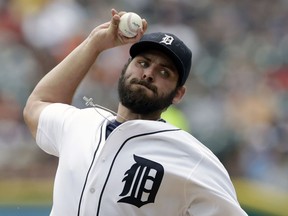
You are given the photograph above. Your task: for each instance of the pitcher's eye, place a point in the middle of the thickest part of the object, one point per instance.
(143, 64)
(164, 73)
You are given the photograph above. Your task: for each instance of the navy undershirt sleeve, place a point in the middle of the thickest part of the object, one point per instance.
(111, 126)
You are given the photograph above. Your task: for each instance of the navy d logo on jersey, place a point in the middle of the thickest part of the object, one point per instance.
(142, 182)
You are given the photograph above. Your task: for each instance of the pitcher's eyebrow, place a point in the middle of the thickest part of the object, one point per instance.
(167, 64)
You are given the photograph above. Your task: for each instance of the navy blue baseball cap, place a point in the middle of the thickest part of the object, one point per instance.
(169, 44)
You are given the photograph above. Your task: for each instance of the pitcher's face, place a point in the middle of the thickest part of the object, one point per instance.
(149, 83)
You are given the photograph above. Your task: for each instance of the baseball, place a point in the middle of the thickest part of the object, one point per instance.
(129, 24)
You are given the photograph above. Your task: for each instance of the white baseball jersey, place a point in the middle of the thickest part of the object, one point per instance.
(143, 168)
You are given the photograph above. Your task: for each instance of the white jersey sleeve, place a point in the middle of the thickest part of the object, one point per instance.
(56, 119)
(210, 189)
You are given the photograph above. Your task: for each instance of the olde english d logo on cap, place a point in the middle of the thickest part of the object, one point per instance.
(167, 40)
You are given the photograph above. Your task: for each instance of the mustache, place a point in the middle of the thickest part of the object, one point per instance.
(144, 83)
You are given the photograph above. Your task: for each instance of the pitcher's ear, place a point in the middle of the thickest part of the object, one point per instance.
(179, 94)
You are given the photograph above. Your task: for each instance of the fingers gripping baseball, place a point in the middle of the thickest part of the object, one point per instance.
(114, 23)
(109, 36)
(114, 28)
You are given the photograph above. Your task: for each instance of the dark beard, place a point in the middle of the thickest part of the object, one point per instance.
(137, 100)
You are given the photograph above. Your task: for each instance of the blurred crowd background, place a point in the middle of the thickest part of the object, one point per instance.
(237, 98)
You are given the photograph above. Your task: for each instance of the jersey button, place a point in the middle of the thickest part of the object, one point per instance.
(92, 190)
